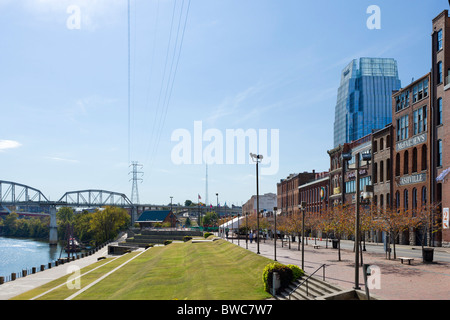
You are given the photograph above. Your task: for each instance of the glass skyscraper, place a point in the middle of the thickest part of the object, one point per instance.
(364, 100)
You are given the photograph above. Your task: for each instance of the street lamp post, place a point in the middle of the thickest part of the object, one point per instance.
(302, 206)
(246, 230)
(275, 234)
(257, 158)
(171, 208)
(366, 157)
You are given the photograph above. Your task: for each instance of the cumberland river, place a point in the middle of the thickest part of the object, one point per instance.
(17, 254)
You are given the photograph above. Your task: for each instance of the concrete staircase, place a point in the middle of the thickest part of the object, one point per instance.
(312, 289)
(146, 237)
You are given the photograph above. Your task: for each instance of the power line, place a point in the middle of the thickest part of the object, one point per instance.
(170, 83)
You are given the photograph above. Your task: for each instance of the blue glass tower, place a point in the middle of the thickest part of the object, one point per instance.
(364, 100)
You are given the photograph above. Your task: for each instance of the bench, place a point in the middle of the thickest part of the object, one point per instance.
(406, 259)
(316, 246)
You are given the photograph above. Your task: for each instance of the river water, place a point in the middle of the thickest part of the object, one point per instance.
(17, 254)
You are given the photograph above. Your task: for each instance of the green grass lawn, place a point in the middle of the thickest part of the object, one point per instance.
(194, 271)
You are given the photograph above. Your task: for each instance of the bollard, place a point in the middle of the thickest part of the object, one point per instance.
(276, 283)
(24, 273)
(33, 270)
(2, 280)
(42, 267)
(49, 265)
(13, 276)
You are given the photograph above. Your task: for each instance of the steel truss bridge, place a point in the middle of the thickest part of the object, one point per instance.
(26, 200)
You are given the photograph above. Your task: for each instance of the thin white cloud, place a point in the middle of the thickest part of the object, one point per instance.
(63, 160)
(9, 144)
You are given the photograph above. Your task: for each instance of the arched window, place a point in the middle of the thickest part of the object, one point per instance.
(405, 199)
(424, 157)
(381, 171)
(414, 160)
(375, 172)
(424, 196)
(397, 165)
(397, 199)
(405, 162)
(414, 199)
(388, 169)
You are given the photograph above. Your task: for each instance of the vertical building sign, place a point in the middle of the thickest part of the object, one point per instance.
(445, 218)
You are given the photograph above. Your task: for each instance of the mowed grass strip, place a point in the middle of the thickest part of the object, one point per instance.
(63, 291)
(194, 271)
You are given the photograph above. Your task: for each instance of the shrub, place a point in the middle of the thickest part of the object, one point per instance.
(167, 242)
(296, 272)
(207, 234)
(187, 238)
(286, 276)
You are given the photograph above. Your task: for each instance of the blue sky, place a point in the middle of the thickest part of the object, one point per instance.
(237, 64)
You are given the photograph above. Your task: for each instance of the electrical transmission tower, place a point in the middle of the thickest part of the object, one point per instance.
(136, 176)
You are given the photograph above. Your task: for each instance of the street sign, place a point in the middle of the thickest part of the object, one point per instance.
(445, 218)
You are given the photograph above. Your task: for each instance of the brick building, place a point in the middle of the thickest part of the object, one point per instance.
(336, 194)
(382, 167)
(287, 191)
(411, 123)
(440, 110)
(316, 193)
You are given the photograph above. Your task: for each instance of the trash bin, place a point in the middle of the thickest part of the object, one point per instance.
(427, 254)
(335, 243)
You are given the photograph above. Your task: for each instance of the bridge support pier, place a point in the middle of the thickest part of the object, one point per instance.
(53, 235)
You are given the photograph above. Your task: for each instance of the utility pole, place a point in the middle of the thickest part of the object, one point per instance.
(136, 176)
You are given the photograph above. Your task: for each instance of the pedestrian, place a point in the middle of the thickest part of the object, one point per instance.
(226, 231)
(251, 236)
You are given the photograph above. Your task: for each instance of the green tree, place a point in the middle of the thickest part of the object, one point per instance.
(106, 224)
(10, 224)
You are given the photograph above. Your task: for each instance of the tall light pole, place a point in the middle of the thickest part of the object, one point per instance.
(302, 207)
(171, 208)
(366, 157)
(275, 234)
(257, 158)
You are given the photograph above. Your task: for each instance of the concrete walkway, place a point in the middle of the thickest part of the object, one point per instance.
(397, 281)
(11, 289)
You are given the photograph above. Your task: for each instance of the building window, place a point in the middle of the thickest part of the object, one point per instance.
(414, 199)
(402, 128)
(414, 160)
(388, 169)
(381, 144)
(439, 40)
(439, 156)
(375, 172)
(388, 199)
(364, 182)
(420, 120)
(424, 196)
(397, 165)
(424, 157)
(381, 171)
(406, 162)
(439, 72)
(405, 199)
(439, 115)
(350, 186)
(397, 199)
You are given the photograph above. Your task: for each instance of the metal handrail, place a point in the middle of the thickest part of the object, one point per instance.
(306, 280)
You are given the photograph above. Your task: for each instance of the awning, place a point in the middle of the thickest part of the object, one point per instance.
(442, 175)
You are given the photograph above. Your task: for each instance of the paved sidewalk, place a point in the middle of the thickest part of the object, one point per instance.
(418, 281)
(11, 289)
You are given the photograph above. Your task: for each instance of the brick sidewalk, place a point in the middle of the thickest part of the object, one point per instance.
(418, 281)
